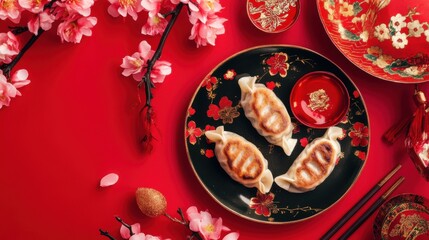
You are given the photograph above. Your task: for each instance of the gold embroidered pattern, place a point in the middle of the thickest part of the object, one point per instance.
(273, 13)
(410, 226)
(319, 101)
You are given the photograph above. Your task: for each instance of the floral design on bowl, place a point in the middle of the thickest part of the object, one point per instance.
(387, 39)
(405, 216)
(273, 16)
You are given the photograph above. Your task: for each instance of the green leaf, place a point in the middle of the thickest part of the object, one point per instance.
(356, 8)
(370, 57)
(346, 34)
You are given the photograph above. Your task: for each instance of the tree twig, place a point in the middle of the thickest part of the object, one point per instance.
(8, 67)
(106, 234)
(125, 225)
(18, 30)
(150, 63)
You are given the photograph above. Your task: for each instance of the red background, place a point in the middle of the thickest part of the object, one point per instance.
(76, 122)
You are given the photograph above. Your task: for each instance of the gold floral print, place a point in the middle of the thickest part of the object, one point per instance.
(228, 114)
(409, 226)
(319, 100)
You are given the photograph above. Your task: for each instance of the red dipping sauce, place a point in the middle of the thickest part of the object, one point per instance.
(319, 100)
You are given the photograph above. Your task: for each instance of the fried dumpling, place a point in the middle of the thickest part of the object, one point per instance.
(241, 159)
(267, 113)
(314, 164)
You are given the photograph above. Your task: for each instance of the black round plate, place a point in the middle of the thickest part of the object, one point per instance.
(217, 102)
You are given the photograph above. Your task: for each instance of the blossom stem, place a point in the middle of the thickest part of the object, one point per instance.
(8, 67)
(18, 30)
(182, 221)
(157, 54)
(106, 234)
(125, 225)
(195, 235)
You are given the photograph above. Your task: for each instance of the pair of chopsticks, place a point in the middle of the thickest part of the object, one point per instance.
(361, 202)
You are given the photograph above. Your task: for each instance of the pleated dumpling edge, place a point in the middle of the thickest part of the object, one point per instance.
(267, 113)
(241, 159)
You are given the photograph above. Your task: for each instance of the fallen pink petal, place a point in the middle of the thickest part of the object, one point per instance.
(109, 180)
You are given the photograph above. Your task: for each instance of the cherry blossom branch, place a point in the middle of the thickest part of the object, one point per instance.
(106, 234)
(8, 67)
(125, 225)
(183, 221)
(157, 54)
(18, 30)
(182, 216)
(196, 236)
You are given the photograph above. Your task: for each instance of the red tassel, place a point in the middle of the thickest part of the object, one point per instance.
(146, 128)
(416, 141)
(417, 133)
(397, 130)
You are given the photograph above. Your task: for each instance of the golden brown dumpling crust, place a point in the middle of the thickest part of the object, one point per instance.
(321, 157)
(242, 160)
(278, 123)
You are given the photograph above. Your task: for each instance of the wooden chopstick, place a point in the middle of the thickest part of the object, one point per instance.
(359, 205)
(371, 210)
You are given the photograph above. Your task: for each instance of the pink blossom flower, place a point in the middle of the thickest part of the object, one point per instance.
(83, 7)
(74, 27)
(159, 71)
(34, 6)
(124, 7)
(137, 234)
(147, 237)
(136, 65)
(20, 79)
(9, 90)
(207, 32)
(204, 8)
(42, 20)
(231, 236)
(152, 6)
(158, 6)
(154, 25)
(9, 47)
(10, 9)
(133, 65)
(208, 227)
(125, 232)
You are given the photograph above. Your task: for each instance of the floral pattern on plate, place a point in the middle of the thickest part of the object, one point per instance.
(405, 216)
(387, 39)
(273, 16)
(279, 68)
